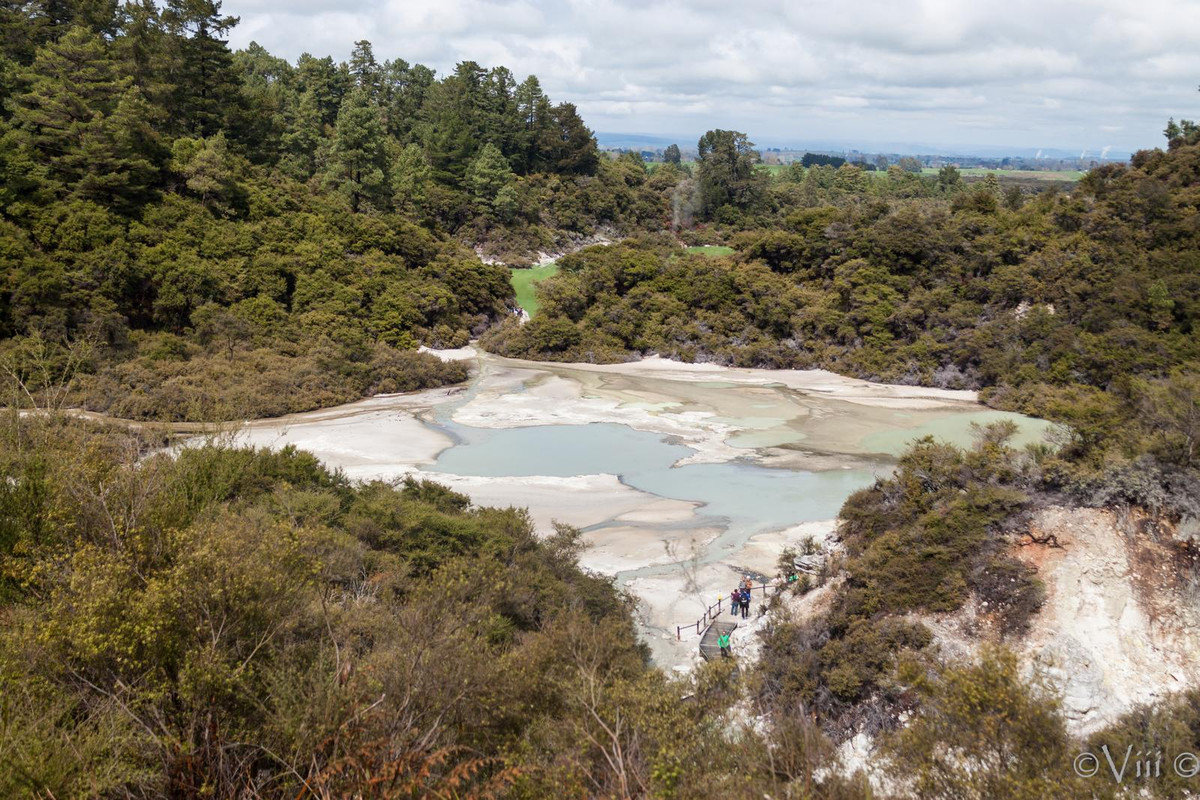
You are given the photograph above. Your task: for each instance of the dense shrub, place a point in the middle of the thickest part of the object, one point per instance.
(257, 383)
(919, 542)
(982, 730)
(230, 621)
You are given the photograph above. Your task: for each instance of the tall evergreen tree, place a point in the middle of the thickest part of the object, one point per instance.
(327, 82)
(364, 70)
(303, 135)
(206, 85)
(19, 33)
(488, 174)
(29, 25)
(405, 88)
(267, 91)
(450, 126)
(726, 169)
(501, 119)
(411, 179)
(359, 157)
(70, 84)
(537, 123)
(123, 154)
(574, 149)
(143, 49)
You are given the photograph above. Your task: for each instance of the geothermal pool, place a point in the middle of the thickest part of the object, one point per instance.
(680, 476)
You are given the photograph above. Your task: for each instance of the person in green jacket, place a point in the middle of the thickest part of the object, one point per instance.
(723, 641)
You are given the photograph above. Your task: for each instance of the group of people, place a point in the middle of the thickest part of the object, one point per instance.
(739, 599)
(739, 602)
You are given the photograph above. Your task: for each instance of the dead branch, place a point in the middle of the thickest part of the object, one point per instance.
(1049, 540)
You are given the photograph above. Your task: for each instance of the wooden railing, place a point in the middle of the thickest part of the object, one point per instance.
(710, 614)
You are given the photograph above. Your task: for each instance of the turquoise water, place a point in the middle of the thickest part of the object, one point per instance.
(956, 429)
(558, 450)
(743, 498)
(749, 497)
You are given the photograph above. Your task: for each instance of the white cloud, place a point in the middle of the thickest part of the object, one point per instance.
(1069, 73)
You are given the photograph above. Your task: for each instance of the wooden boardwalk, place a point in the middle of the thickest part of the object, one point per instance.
(709, 648)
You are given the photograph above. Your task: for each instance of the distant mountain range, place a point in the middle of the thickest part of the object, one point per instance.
(656, 141)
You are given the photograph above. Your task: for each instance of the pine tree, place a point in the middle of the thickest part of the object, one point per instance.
(574, 151)
(364, 70)
(206, 85)
(537, 123)
(448, 126)
(19, 33)
(302, 137)
(123, 153)
(405, 88)
(501, 120)
(411, 178)
(26, 26)
(267, 91)
(488, 174)
(327, 82)
(70, 83)
(8, 83)
(142, 50)
(359, 158)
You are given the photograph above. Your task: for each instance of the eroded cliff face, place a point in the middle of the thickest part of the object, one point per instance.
(1121, 622)
(1120, 625)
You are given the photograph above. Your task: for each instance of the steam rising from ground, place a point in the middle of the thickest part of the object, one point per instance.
(685, 202)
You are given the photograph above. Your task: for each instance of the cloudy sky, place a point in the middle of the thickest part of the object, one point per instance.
(1027, 73)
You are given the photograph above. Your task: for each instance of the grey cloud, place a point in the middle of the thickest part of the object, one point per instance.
(1073, 73)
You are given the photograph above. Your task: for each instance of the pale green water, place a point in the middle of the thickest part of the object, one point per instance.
(956, 429)
(766, 438)
(737, 499)
(751, 498)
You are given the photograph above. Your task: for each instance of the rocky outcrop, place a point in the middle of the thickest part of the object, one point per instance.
(1119, 626)
(533, 256)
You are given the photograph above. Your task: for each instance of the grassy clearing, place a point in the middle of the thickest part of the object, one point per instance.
(714, 250)
(773, 169)
(523, 281)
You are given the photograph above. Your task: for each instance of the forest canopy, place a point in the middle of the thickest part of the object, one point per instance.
(182, 222)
